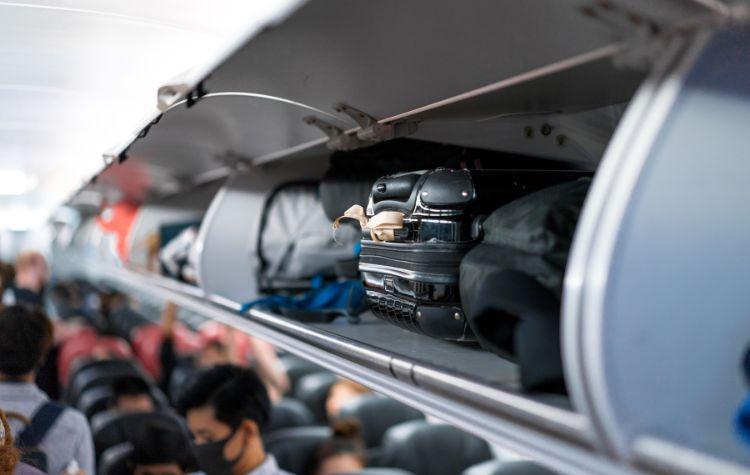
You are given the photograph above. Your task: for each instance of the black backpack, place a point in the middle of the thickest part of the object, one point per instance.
(31, 437)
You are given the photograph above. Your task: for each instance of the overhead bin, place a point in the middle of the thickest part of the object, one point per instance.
(565, 85)
(227, 257)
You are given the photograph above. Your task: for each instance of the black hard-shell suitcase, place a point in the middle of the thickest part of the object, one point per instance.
(411, 273)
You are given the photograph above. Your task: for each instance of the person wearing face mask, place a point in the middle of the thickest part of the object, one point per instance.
(226, 408)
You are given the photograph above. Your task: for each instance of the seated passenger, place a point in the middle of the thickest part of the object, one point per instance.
(132, 394)
(344, 452)
(340, 394)
(216, 350)
(161, 449)
(227, 407)
(10, 456)
(63, 433)
(31, 276)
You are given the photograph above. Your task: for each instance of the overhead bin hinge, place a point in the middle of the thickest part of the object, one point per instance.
(371, 129)
(641, 32)
(338, 139)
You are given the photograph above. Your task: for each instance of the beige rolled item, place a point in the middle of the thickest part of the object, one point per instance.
(382, 226)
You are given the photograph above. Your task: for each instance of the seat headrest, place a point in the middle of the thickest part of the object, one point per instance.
(111, 427)
(312, 390)
(383, 471)
(296, 368)
(94, 400)
(376, 415)
(289, 413)
(431, 449)
(117, 460)
(498, 467)
(294, 448)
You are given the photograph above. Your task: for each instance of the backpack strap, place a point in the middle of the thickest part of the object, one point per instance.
(42, 421)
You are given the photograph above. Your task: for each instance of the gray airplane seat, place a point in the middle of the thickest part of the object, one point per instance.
(117, 460)
(297, 368)
(289, 413)
(97, 399)
(498, 467)
(94, 400)
(294, 448)
(312, 390)
(431, 449)
(94, 373)
(383, 471)
(112, 427)
(376, 414)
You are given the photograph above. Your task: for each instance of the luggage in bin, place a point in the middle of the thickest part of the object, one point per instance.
(511, 282)
(417, 228)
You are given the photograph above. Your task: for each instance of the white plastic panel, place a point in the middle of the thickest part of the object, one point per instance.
(227, 262)
(664, 319)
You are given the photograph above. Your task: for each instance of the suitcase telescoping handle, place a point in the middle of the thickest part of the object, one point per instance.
(394, 187)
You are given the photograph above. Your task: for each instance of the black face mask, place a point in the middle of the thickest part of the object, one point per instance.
(210, 456)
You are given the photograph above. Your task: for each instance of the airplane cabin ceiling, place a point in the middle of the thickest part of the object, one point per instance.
(79, 75)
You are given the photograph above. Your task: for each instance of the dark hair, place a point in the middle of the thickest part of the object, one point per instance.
(161, 442)
(234, 393)
(346, 440)
(25, 338)
(129, 386)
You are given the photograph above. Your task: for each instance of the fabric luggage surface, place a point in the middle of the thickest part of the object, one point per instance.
(304, 273)
(416, 230)
(295, 242)
(511, 283)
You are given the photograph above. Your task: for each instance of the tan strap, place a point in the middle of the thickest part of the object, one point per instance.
(354, 212)
(382, 226)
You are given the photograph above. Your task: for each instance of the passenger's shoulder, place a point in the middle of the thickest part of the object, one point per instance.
(73, 419)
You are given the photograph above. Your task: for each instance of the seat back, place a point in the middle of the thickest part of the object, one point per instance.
(376, 414)
(297, 368)
(117, 460)
(94, 400)
(295, 447)
(99, 373)
(383, 471)
(289, 413)
(111, 427)
(517, 467)
(312, 390)
(431, 449)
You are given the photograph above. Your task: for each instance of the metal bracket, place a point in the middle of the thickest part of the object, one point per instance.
(642, 32)
(371, 129)
(338, 139)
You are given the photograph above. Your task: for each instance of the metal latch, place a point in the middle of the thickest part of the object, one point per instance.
(338, 139)
(370, 131)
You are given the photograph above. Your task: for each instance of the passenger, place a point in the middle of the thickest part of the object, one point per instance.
(27, 288)
(340, 394)
(24, 340)
(7, 274)
(31, 276)
(227, 407)
(132, 394)
(161, 449)
(10, 456)
(344, 452)
(216, 350)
